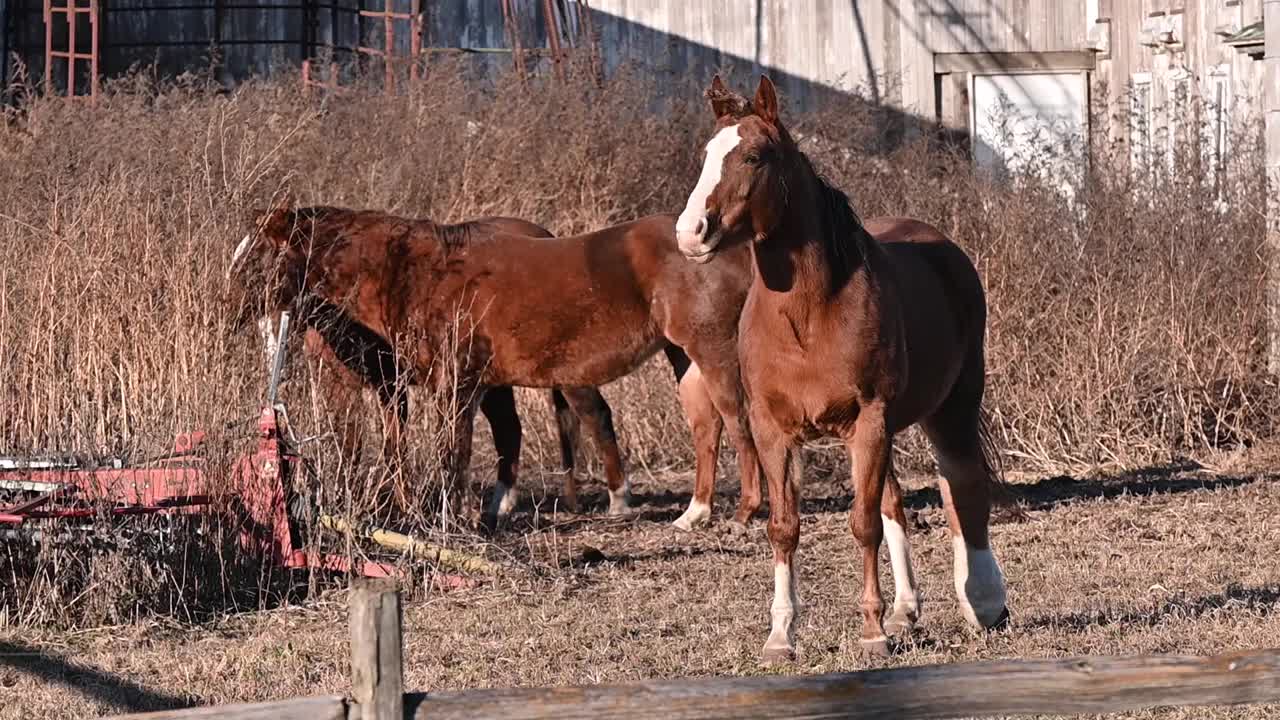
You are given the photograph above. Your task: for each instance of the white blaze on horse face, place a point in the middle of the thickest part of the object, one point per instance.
(979, 584)
(691, 227)
(236, 256)
(905, 599)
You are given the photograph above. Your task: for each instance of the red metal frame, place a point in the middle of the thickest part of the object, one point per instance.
(309, 79)
(71, 10)
(258, 482)
(389, 18)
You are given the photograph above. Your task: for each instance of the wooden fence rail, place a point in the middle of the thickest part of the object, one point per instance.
(978, 689)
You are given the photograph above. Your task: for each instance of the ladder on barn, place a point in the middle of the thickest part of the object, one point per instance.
(556, 16)
(69, 14)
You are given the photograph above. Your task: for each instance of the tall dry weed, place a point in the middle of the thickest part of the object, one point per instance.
(1125, 328)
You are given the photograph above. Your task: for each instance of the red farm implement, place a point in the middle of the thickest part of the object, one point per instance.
(62, 499)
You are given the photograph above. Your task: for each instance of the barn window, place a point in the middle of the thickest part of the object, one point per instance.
(1217, 129)
(1140, 104)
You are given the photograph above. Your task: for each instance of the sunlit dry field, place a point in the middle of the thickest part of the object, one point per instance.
(1169, 560)
(1124, 345)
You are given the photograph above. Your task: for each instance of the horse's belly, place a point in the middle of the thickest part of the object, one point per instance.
(576, 359)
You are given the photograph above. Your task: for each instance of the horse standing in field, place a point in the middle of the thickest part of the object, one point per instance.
(350, 358)
(850, 331)
(566, 313)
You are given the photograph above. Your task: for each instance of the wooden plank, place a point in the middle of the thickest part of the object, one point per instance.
(1271, 117)
(377, 665)
(1070, 686)
(1000, 62)
(312, 708)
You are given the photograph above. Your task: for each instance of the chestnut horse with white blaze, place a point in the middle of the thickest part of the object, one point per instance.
(854, 331)
(349, 358)
(551, 312)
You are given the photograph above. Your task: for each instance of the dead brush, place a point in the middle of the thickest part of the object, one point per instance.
(1124, 330)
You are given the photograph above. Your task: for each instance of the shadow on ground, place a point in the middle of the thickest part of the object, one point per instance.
(1262, 599)
(118, 692)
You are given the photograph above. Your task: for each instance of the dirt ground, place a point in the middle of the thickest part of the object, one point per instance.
(1170, 560)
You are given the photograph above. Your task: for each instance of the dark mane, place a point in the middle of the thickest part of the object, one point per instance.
(843, 237)
(455, 236)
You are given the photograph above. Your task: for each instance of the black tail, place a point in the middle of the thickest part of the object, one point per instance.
(567, 427)
(1003, 495)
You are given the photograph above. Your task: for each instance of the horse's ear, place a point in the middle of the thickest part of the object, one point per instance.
(723, 100)
(766, 102)
(276, 225)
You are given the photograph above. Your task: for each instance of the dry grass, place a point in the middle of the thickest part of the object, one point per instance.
(1125, 331)
(1153, 562)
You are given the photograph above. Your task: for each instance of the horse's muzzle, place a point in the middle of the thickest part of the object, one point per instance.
(699, 245)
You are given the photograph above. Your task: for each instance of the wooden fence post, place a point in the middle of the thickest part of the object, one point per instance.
(377, 664)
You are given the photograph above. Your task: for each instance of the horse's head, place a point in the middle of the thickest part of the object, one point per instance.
(267, 273)
(741, 192)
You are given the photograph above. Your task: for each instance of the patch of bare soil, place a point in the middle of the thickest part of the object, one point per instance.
(1169, 560)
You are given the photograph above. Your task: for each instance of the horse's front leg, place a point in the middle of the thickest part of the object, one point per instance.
(455, 459)
(906, 598)
(782, 469)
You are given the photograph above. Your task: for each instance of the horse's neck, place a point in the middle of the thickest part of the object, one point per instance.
(795, 263)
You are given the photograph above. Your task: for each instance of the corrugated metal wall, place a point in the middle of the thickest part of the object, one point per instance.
(244, 38)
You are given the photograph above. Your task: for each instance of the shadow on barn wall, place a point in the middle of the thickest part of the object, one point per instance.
(241, 43)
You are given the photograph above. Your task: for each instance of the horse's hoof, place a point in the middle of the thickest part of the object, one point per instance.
(899, 625)
(696, 515)
(1001, 622)
(877, 647)
(777, 655)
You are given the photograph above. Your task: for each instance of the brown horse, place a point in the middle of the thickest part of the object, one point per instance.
(567, 313)
(850, 331)
(349, 358)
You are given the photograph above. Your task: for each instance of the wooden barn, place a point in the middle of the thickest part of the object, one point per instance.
(1002, 72)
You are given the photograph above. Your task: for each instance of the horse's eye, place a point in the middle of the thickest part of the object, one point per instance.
(752, 159)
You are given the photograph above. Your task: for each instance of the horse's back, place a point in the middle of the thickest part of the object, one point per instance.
(925, 259)
(942, 305)
(513, 226)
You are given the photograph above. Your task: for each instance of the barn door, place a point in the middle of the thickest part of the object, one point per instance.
(1034, 122)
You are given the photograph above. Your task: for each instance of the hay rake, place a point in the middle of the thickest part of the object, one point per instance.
(64, 500)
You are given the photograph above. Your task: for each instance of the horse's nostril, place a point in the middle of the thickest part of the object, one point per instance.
(702, 227)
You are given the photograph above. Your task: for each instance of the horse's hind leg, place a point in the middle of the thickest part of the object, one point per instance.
(721, 387)
(906, 599)
(499, 408)
(706, 424)
(955, 432)
(566, 426)
(590, 406)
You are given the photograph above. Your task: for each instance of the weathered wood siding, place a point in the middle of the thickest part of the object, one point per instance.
(1198, 62)
(884, 47)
